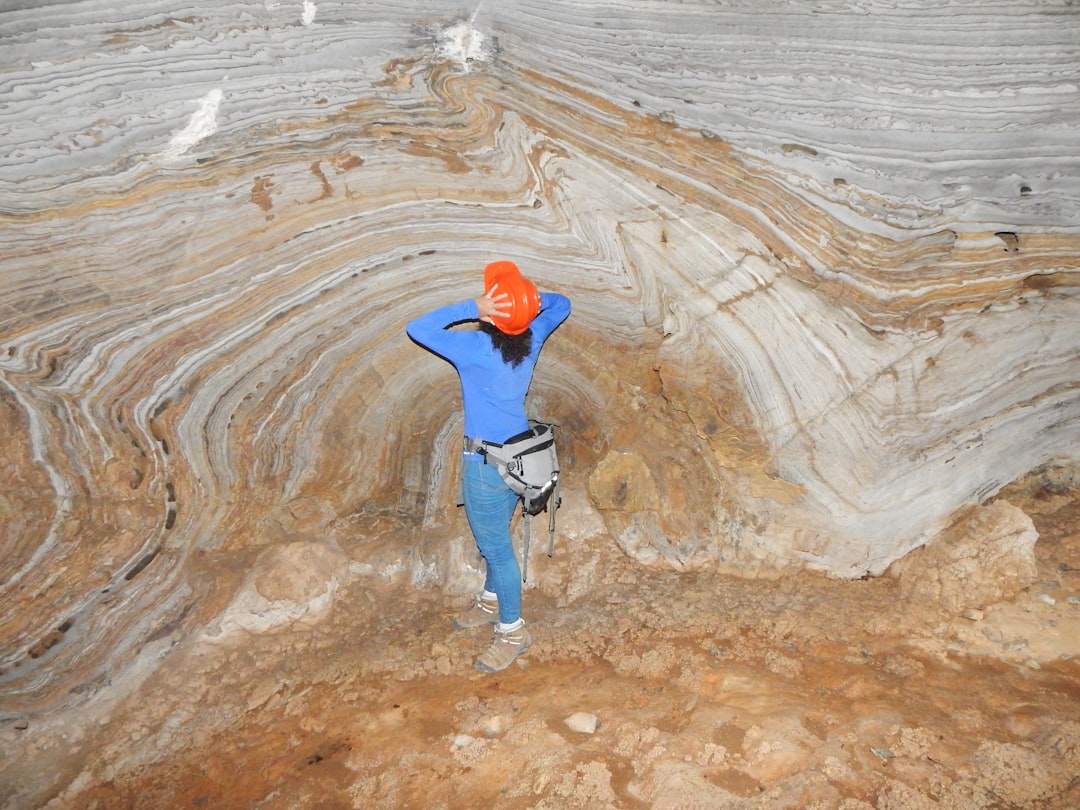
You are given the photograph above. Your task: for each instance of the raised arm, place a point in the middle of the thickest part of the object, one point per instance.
(431, 330)
(554, 309)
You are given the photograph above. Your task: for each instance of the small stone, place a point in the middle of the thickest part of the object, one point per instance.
(993, 634)
(1015, 644)
(1047, 599)
(1073, 600)
(583, 722)
(974, 614)
(461, 740)
(884, 753)
(1033, 664)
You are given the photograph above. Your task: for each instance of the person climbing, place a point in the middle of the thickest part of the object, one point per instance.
(495, 365)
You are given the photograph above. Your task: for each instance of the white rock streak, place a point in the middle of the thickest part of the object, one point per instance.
(202, 124)
(463, 43)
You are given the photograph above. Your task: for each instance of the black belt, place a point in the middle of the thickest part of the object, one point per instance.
(480, 445)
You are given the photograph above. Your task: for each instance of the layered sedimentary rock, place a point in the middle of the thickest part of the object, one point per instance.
(823, 262)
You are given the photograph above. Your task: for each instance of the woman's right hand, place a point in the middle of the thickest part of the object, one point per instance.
(491, 305)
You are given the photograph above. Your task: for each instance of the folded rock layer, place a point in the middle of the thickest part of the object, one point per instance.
(824, 267)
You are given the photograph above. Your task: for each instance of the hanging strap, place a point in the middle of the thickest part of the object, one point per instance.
(525, 547)
(552, 507)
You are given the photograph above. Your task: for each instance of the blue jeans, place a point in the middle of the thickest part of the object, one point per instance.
(489, 506)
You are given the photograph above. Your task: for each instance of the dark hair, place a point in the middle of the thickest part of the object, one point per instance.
(514, 348)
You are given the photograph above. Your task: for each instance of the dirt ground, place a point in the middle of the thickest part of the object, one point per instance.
(655, 689)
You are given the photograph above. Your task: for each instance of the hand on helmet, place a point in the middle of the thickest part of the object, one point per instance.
(492, 306)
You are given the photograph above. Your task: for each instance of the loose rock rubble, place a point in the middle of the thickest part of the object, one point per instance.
(650, 689)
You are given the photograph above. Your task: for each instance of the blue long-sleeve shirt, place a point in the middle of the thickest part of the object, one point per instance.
(493, 392)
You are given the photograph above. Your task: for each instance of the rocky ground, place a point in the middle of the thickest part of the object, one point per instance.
(654, 689)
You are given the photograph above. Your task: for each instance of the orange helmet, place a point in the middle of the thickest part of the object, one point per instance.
(524, 299)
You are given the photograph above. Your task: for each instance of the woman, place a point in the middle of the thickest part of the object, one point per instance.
(495, 365)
